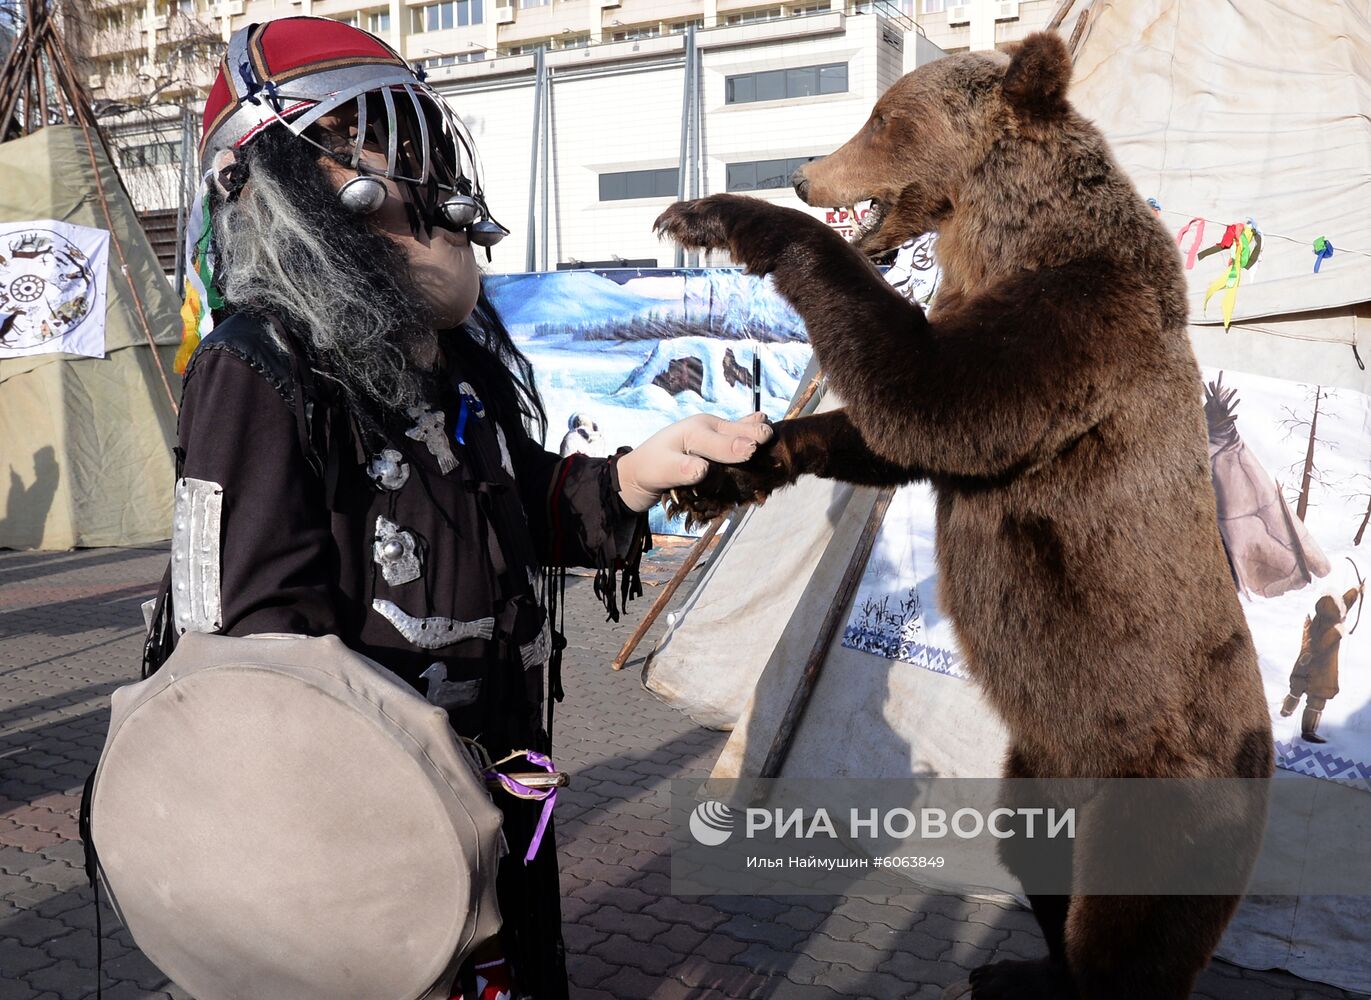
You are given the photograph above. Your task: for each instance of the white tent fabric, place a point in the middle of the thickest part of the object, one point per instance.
(87, 449)
(1257, 110)
(1222, 111)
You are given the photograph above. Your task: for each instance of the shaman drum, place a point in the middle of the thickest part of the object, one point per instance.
(279, 818)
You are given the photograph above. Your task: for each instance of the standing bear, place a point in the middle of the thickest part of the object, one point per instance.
(1051, 398)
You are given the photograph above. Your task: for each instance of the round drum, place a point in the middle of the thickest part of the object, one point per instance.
(279, 818)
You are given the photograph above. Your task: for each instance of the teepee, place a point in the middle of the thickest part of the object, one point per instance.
(814, 631)
(88, 322)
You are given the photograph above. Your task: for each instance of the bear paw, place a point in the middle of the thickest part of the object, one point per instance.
(724, 488)
(754, 232)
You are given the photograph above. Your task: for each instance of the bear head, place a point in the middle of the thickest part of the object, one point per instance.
(933, 131)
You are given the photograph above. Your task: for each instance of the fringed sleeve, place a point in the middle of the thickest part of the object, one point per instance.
(577, 519)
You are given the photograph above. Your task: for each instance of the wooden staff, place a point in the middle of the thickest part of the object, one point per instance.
(693, 556)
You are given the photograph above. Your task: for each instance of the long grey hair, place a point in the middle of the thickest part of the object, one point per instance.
(286, 247)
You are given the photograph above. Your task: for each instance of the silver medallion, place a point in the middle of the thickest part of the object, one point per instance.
(429, 428)
(395, 551)
(388, 470)
(433, 633)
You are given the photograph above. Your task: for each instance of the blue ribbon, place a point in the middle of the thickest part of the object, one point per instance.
(462, 412)
(1321, 254)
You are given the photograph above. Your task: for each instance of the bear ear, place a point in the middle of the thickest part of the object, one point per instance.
(1038, 75)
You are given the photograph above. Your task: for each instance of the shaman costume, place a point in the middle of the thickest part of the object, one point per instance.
(355, 463)
(417, 537)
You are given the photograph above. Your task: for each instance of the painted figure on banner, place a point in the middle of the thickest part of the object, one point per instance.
(1269, 549)
(1315, 675)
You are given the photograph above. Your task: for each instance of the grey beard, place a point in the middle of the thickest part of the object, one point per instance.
(275, 258)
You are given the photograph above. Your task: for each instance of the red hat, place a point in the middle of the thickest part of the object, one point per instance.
(295, 70)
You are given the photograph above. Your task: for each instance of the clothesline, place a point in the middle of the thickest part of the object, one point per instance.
(1268, 235)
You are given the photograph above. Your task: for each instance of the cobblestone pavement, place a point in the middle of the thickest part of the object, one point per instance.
(69, 634)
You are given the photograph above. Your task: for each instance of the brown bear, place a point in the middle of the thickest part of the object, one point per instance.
(1052, 399)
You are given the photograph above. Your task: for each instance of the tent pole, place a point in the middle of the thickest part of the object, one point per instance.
(698, 549)
(531, 250)
(696, 123)
(683, 162)
(546, 147)
(837, 609)
(182, 201)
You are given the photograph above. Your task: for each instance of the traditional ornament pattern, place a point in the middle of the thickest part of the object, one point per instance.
(396, 552)
(52, 289)
(429, 427)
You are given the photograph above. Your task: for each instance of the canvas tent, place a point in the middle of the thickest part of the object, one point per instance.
(86, 453)
(1218, 111)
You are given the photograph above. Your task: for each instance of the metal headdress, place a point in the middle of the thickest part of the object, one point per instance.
(294, 71)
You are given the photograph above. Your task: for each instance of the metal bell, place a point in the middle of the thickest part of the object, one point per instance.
(486, 233)
(460, 210)
(363, 194)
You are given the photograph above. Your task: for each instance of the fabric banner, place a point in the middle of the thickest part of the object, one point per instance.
(619, 354)
(1292, 471)
(53, 278)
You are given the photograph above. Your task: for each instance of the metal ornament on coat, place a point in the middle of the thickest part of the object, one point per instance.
(388, 470)
(396, 552)
(435, 632)
(430, 428)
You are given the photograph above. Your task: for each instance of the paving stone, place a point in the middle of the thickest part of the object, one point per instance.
(71, 637)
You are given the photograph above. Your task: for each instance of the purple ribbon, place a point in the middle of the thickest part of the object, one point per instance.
(548, 796)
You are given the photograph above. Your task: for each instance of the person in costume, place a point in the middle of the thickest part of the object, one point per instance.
(370, 433)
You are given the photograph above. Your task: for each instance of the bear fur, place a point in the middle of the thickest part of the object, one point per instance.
(1052, 399)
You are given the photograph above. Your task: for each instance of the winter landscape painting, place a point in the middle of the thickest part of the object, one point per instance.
(629, 351)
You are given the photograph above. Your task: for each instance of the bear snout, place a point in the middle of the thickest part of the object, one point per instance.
(800, 182)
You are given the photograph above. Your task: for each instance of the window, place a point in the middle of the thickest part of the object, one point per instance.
(818, 8)
(753, 16)
(449, 14)
(378, 22)
(633, 34)
(779, 84)
(935, 6)
(763, 175)
(153, 154)
(639, 184)
(680, 26)
(573, 41)
(351, 20)
(526, 4)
